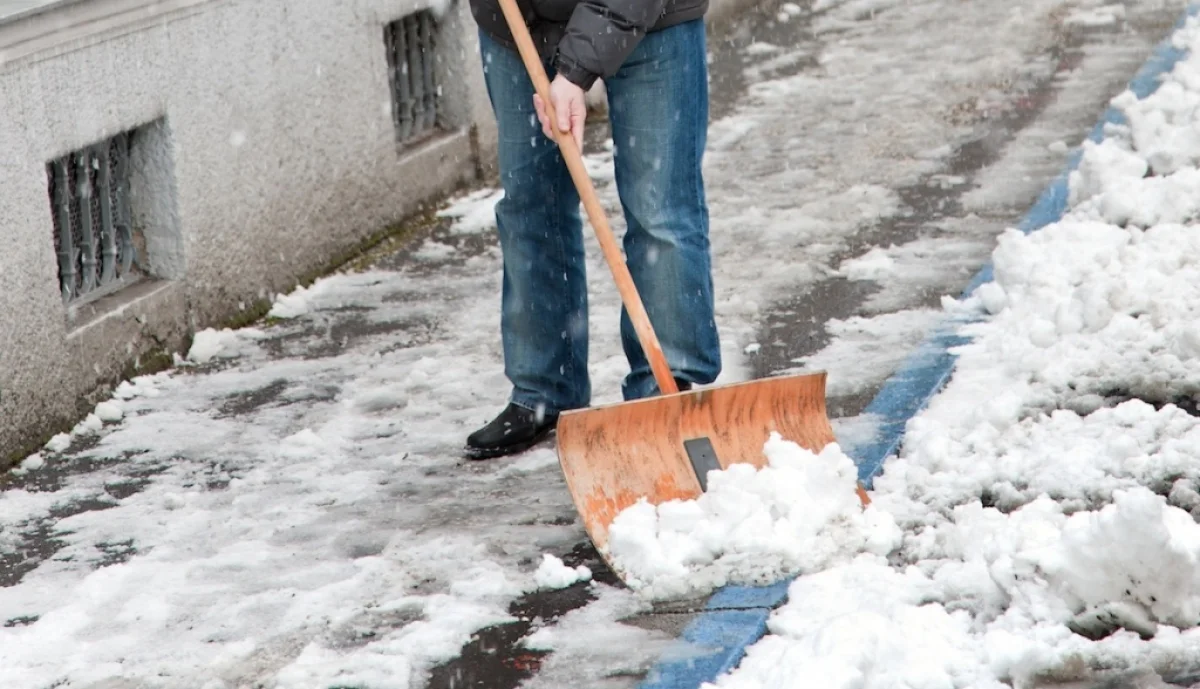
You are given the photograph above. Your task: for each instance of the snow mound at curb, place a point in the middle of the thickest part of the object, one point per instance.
(798, 513)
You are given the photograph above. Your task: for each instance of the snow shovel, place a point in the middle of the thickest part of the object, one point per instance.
(662, 448)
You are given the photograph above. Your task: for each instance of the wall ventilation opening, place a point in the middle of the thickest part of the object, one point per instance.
(93, 230)
(416, 93)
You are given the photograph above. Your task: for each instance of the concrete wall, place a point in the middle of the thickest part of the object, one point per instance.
(268, 146)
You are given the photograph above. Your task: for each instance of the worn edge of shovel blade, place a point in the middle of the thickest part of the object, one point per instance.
(615, 454)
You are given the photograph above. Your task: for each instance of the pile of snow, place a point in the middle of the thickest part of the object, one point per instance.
(327, 293)
(110, 411)
(1041, 509)
(798, 513)
(554, 574)
(209, 343)
(995, 600)
(475, 212)
(1138, 552)
(874, 264)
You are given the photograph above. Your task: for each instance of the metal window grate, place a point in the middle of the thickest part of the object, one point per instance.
(410, 50)
(89, 201)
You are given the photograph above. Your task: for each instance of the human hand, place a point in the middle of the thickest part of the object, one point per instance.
(570, 109)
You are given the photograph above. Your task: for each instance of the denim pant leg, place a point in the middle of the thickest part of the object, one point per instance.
(544, 328)
(658, 107)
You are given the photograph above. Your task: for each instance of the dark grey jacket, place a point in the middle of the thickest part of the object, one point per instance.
(586, 39)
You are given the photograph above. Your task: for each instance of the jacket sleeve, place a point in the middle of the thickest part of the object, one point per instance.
(600, 36)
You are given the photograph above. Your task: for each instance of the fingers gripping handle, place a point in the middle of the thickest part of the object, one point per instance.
(587, 193)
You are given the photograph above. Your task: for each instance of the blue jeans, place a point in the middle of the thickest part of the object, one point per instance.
(658, 109)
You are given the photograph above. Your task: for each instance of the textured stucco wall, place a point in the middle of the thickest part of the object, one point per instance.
(275, 149)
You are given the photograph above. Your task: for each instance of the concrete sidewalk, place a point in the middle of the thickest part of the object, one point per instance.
(306, 476)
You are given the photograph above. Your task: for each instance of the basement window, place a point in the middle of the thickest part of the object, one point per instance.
(412, 72)
(90, 206)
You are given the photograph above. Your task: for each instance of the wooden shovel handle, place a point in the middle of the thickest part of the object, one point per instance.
(587, 193)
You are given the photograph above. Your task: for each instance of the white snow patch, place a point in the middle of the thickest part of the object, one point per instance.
(1137, 551)
(327, 293)
(865, 350)
(784, 60)
(59, 442)
(798, 513)
(292, 305)
(110, 412)
(209, 344)
(1097, 16)
(762, 48)
(591, 645)
(872, 265)
(392, 660)
(855, 431)
(90, 424)
(475, 212)
(142, 386)
(33, 462)
(433, 250)
(553, 574)
(943, 258)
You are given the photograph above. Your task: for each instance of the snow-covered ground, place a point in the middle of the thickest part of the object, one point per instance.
(287, 508)
(1040, 523)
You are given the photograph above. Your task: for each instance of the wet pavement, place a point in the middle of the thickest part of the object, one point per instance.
(790, 329)
(495, 658)
(795, 326)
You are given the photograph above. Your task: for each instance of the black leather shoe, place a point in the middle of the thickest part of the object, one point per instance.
(515, 430)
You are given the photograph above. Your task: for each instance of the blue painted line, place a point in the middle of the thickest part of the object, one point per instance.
(743, 597)
(736, 616)
(711, 646)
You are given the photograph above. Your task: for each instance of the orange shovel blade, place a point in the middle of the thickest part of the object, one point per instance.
(660, 448)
